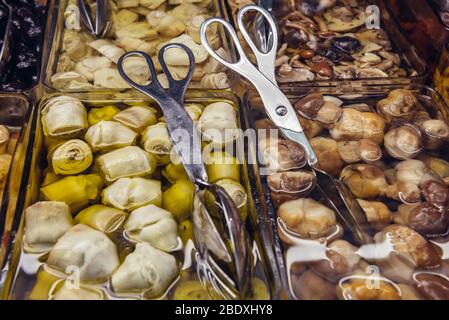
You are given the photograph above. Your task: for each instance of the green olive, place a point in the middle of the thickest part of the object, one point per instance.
(178, 199)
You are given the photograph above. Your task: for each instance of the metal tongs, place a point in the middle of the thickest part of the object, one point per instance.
(280, 110)
(186, 141)
(5, 49)
(98, 26)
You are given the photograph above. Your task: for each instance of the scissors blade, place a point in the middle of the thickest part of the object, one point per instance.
(185, 139)
(300, 137)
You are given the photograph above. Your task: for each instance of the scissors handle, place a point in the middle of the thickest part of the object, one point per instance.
(243, 66)
(176, 88)
(266, 61)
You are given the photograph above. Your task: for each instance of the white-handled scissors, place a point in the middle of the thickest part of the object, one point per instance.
(277, 106)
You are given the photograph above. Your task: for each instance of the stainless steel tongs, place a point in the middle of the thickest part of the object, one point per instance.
(99, 25)
(280, 110)
(186, 141)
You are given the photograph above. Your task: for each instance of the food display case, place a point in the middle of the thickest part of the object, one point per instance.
(70, 175)
(96, 205)
(344, 46)
(387, 151)
(77, 62)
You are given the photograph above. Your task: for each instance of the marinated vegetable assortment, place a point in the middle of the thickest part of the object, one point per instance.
(85, 63)
(115, 208)
(390, 153)
(336, 40)
(331, 41)
(22, 68)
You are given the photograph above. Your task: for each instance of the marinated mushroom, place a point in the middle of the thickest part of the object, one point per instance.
(307, 217)
(438, 166)
(437, 133)
(405, 192)
(286, 186)
(363, 150)
(366, 181)
(399, 104)
(311, 128)
(432, 286)
(411, 252)
(405, 142)
(310, 286)
(282, 155)
(429, 220)
(408, 292)
(359, 288)
(414, 171)
(436, 193)
(355, 125)
(342, 260)
(316, 107)
(377, 213)
(326, 151)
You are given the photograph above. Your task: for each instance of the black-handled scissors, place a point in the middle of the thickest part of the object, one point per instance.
(186, 141)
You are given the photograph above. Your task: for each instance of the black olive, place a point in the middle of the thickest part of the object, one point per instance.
(27, 20)
(347, 44)
(334, 55)
(295, 38)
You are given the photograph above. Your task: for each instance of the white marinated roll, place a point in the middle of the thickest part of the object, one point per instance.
(64, 117)
(153, 225)
(128, 161)
(132, 193)
(156, 141)
(146, 270)
(108, 135)
(90, 251)
(45, 223)
(218, 123)
(137, 117)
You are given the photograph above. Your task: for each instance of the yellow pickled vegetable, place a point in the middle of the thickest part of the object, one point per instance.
(102, 218)
(185, 231)
(174, 172)
(75, 191)
(190, 290)
(259, 290)
(71, 157)
(237, 193)
(44, 284)
(220, 165)
(178, 199)
(50, 177)
(96, 115)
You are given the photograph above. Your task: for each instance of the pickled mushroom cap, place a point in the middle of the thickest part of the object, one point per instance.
(307, 217)
(404, 142)
(400, 103)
